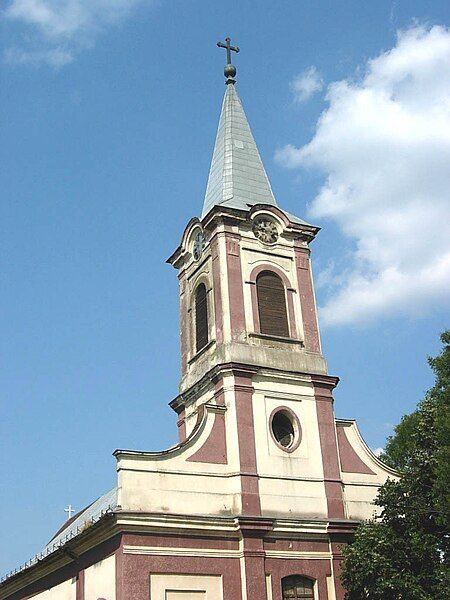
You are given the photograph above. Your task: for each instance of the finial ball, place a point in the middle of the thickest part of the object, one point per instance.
(229, 71)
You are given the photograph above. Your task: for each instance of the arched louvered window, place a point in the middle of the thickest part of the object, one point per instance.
(201, 317)
(272, 304)
(297, 587)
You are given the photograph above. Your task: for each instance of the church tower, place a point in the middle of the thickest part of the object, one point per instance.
(265, 485)
(248, 323)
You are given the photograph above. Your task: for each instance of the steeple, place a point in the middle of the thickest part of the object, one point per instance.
(246, 293)
(237, 178)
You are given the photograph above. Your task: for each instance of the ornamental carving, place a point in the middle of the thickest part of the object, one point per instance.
(199, 245)
(265, 230)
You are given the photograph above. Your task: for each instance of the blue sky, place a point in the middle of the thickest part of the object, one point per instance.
(109, 112)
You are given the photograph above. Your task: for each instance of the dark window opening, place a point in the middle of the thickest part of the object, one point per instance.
(272, 304)
(201, 317)
(296, 587)
(283, 429)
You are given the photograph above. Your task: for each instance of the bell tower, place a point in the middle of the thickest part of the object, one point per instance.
(243, 249)
(248, 320)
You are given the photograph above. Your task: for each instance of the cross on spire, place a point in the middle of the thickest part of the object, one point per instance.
(229, 70)
(69, 510)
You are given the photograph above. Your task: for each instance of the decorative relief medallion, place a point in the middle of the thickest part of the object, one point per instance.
(265, 230)
(199, 244)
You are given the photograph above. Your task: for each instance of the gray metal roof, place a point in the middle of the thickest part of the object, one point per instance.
(104, 504)
(91, 514)
(237, 178)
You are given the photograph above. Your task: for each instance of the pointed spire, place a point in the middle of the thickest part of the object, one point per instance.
(237, 177)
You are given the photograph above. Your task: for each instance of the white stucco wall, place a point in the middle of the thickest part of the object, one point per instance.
(186, 587)
(100, 580)
(291, 484)
(63, 591)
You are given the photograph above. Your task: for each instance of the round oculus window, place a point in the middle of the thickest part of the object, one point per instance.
(285, 429)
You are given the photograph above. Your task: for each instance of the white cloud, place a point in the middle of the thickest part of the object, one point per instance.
(55, 57)
(378, 451)
(61, 28)
(384, 145)
(306, 84)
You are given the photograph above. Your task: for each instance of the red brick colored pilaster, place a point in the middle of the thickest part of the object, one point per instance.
(328, 444)
(340, 536)
(218, 310)
(254, 556)
(119, 571)
(305, 288)
(337, 567)
(235, 286)
(243, 390)
(255, 577)
(80, 586)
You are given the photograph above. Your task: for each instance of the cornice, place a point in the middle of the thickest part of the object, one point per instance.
(326, 381)
(121, 522)
(70, 553)
(179, 402)
(173, 258)
(199, 427)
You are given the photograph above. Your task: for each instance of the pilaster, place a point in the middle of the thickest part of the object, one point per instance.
(323, 386)
(307, 300)
(235, 285)
(243, 393)
(253, 532)
(184, 325)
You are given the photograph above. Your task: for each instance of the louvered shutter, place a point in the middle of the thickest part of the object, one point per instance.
(272, 304)
(297, 587)
(201, 317)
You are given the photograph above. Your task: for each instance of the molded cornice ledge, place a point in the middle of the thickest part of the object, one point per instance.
(342, 527)
(175, 257)
(213, 375)
(255, 526)
(178, 448)
(326, 382)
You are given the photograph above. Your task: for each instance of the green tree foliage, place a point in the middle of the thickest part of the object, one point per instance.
(404, 553)
(397, 452)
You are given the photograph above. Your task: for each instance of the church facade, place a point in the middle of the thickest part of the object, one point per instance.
(265, 485)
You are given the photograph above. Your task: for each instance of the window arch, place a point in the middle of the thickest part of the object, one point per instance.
(201, 317)
(272, 304)
(297, 587)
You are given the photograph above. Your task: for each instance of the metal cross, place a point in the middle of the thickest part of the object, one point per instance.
(69, 510)
(229, 48)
